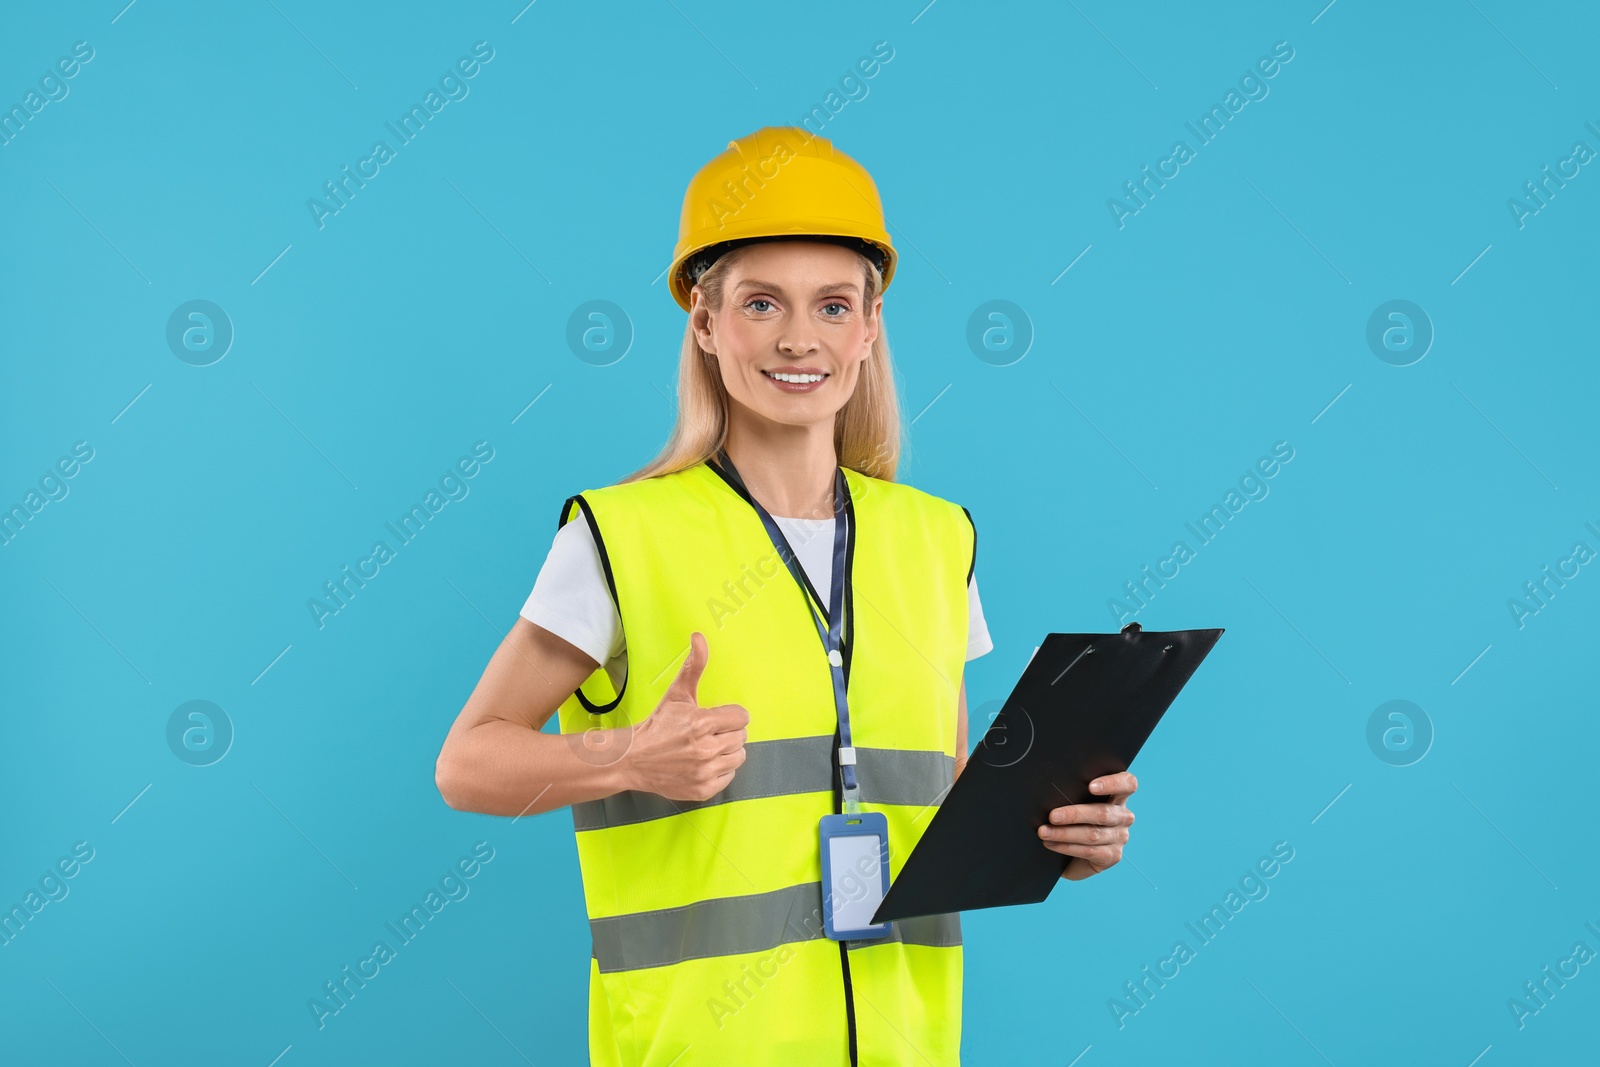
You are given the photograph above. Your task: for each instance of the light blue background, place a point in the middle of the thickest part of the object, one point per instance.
(1224, 317)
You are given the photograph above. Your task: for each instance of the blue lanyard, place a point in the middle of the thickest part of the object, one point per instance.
(832, 635)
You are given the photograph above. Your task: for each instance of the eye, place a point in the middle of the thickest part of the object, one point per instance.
(844, 309)
(758, 300)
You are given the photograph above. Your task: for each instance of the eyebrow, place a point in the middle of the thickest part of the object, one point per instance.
(827, 290)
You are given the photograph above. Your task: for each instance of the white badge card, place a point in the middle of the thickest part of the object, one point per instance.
(855, 874)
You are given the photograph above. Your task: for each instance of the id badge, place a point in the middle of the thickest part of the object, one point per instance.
(855, 874)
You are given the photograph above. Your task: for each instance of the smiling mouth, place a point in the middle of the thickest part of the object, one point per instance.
(794, 379)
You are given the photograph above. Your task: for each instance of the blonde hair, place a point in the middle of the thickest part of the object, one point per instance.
(866, 431)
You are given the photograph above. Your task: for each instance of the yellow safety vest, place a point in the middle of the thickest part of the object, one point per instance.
(706, 917)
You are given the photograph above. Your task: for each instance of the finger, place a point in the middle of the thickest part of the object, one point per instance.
(729, 743)
(1094, 814)
(1099, 855)
(1122, 783)
(1084, 835)
(712, 787)
(1078, 868)
(725, 718)
(718, 767)
(685, 687)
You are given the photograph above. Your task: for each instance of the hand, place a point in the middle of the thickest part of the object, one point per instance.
(683, 751)
(1092, 834)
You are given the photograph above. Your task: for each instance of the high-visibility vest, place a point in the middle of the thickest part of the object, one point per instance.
(706, 917)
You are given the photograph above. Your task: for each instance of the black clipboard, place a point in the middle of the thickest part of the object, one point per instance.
(1084, 706)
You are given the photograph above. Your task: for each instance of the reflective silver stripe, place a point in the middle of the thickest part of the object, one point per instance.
(903, 776)
(726, 926)
(937, 931)
(785, 767)
(770, 768)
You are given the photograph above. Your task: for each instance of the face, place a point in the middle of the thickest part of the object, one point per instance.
(792, 334)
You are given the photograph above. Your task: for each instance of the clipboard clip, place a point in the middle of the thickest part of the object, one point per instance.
(1134, 628)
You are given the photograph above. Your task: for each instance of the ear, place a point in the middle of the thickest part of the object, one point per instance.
(875, 322)
(700, 319)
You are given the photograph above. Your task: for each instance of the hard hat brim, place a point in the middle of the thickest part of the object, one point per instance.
(816, 226)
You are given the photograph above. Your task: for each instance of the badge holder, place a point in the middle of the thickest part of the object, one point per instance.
(855, 870)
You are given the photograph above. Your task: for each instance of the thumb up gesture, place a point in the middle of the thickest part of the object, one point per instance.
(684, 751)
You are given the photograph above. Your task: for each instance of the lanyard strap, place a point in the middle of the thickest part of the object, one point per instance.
(832, 635)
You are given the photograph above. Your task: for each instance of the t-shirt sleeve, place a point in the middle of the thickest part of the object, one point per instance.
(978, 640)
(570, 597)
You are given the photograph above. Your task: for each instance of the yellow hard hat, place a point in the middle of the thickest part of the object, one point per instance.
(781, 181)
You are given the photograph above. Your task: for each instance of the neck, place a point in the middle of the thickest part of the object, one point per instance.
(788, 469)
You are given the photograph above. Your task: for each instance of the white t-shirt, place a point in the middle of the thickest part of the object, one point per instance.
(570, 597)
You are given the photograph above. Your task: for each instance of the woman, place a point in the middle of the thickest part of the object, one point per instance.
(822, 614)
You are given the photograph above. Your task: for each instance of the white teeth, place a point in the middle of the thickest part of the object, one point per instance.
(797, 379)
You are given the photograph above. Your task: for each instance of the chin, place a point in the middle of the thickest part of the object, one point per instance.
(796, 413)
(802, 415)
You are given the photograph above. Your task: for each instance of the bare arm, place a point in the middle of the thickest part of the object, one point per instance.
(495, 760)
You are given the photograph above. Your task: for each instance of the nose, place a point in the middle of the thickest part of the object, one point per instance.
(798, 339)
